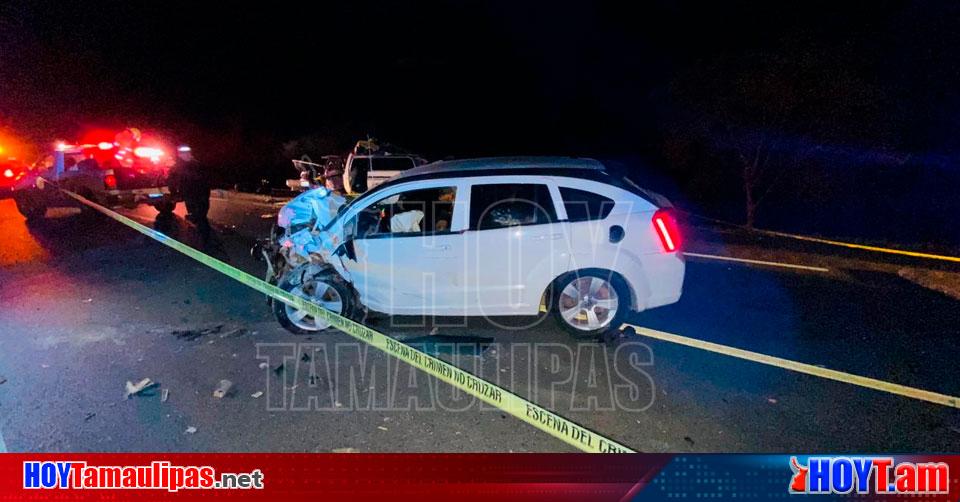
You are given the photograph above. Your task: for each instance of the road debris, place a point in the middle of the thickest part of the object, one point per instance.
(257, 394)
(305, 357)
(88, 300)
(222, 389)
(267, 216)
(89, 416)
(345, 450)
(164, 395)
(232, 333)
(193, 334)
(191, 430)
(382, 428)
(278, 370)
(132, 389)
(264, 366)
(3, 380)
(771, 400)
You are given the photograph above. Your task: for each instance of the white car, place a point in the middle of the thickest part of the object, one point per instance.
(366, 172)
(491, 237)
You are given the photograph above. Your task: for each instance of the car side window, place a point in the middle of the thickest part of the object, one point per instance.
(585, 206)
(414, 212)
(510, 204)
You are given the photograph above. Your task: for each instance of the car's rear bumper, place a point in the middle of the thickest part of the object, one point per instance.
(137, 196)
(663, 274)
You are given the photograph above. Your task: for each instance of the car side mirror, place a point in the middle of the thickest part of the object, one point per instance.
(347, 249)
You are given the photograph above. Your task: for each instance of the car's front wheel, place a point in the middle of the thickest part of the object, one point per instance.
(588, 304)
(326, 290)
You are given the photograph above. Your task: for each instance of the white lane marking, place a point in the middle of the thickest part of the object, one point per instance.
(757, 262)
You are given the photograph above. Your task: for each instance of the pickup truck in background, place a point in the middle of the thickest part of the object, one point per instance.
(126, 172)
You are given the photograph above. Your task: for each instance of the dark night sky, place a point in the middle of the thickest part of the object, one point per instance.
(448, 78)
(867, 90)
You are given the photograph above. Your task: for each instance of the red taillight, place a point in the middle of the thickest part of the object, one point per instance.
(666, 227)
(110, 181)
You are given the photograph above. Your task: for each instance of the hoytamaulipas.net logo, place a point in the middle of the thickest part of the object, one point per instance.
(868, 475)
(159, 475)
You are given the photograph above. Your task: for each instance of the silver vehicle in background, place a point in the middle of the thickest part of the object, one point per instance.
(370, 164)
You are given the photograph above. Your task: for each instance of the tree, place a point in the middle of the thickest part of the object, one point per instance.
(764, 115)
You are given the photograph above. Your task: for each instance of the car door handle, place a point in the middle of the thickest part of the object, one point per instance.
(549, 237)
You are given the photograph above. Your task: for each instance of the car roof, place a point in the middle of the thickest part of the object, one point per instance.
(497, 166)
(381, 155)
(502, 163)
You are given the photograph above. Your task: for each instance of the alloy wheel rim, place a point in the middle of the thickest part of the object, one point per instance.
(588, 303)
(324, 295)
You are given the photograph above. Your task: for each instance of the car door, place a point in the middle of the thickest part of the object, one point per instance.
(355, 174)
(514, 246)
(593, 241)
(408, 250)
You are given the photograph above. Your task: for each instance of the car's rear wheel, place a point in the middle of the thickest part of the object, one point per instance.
(588, 304)
(326, 290)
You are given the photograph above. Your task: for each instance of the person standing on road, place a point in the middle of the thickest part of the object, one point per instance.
(191, 180)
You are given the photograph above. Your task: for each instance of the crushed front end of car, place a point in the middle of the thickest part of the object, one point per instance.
(300, 258)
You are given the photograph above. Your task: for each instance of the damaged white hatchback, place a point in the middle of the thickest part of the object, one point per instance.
(482, 237)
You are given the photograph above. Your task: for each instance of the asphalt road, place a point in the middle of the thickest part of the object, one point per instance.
(87, 304)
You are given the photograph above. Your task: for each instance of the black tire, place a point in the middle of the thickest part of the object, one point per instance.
(86, 210)
(30, 206)
(280, 309)
(609, 323)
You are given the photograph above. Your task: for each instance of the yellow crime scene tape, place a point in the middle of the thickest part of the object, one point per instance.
(850, 245)
(809, 369)
(566, 430)
(830, 242)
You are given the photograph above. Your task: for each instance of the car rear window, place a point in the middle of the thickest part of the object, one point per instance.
(391, 164)
(507, 205)
(360, 163)
(585, 206)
